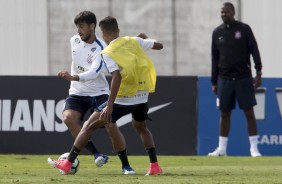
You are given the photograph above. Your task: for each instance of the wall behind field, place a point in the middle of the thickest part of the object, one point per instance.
(264, 17)
(35, 33)
(23, 35)
(183, 26)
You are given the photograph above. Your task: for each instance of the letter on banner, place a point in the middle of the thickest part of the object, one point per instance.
(259, 109)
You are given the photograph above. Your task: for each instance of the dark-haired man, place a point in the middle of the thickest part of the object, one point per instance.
(232, 44)
(88, 95)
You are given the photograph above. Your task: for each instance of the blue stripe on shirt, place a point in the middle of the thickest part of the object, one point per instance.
(101, 63)
(99, 43)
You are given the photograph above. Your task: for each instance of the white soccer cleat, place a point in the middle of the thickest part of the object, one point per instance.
(127, 170)
(255, 153)
(101, 160)
(217, 153)
(51, 162)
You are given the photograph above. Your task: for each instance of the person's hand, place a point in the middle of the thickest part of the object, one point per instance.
(142, 35)
(106, 114)
(65, 75)
(214, 89)
(257, 81)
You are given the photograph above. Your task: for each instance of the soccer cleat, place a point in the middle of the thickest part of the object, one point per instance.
(217, 153)
(154, 169)
(127, 170)
(63, 165)
(101, 159)
(255, 153)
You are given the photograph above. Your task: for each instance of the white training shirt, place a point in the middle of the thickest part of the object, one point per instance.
(83, 55)
(140, 96)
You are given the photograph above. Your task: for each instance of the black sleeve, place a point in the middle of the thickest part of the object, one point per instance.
(253, 47)
(215, 57)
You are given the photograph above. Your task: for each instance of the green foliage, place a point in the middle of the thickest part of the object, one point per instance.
(33, 169)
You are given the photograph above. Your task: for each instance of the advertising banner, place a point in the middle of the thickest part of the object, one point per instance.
(268, 113)
(31, 117)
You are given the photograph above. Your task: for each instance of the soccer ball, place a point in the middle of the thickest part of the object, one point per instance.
(75, 165)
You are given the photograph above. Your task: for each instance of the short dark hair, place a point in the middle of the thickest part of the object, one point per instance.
(85, 16)
(109, 24)
(229, 5)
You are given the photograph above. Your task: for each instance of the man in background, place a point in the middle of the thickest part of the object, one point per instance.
(232, 44)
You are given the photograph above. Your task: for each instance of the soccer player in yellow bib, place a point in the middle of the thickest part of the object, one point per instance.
(133, 78)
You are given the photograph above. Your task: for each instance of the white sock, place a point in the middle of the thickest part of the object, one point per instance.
(222, 143)
(254, 142)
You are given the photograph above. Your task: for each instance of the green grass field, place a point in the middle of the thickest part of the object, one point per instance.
(31, 169)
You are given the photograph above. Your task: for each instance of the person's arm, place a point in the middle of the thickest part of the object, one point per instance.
(65, 75)
(214, 65)
(106, 114)
(91, 74)
(253, 47)
(142, 35)
(148, 43)
(157, 46)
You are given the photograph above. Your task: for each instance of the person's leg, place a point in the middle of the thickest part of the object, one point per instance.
(145, 136)
(117, 138)
(226, 101)
(149, 144)
(139, 116)
(251, 121)
(80, 142)
(118, 142)
(87, 130)
(252, 129)
(72, 120)
(246, 99)
(225, 118)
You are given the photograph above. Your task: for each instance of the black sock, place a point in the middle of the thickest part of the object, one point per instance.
(73, 154)
(123, 158)
(91, 147)
(152, 154)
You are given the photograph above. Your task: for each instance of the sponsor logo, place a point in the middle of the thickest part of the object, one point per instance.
(238, 35)
(77, 40)
(127, 118)
(93, 49)
(39, 115)
(31, 116)
(89, 59)
(259, 109)
(270, 139)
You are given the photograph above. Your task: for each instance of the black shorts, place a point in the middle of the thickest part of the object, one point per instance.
(139, 111)
(84, 103)
(229, 91)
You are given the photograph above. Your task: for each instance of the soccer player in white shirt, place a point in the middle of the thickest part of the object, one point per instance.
(119, 104)
(89, 95)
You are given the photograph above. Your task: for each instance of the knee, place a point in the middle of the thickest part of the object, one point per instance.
(225, 115)
(139, 126)
(112, 129)
(69, 119)
(250, 113)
